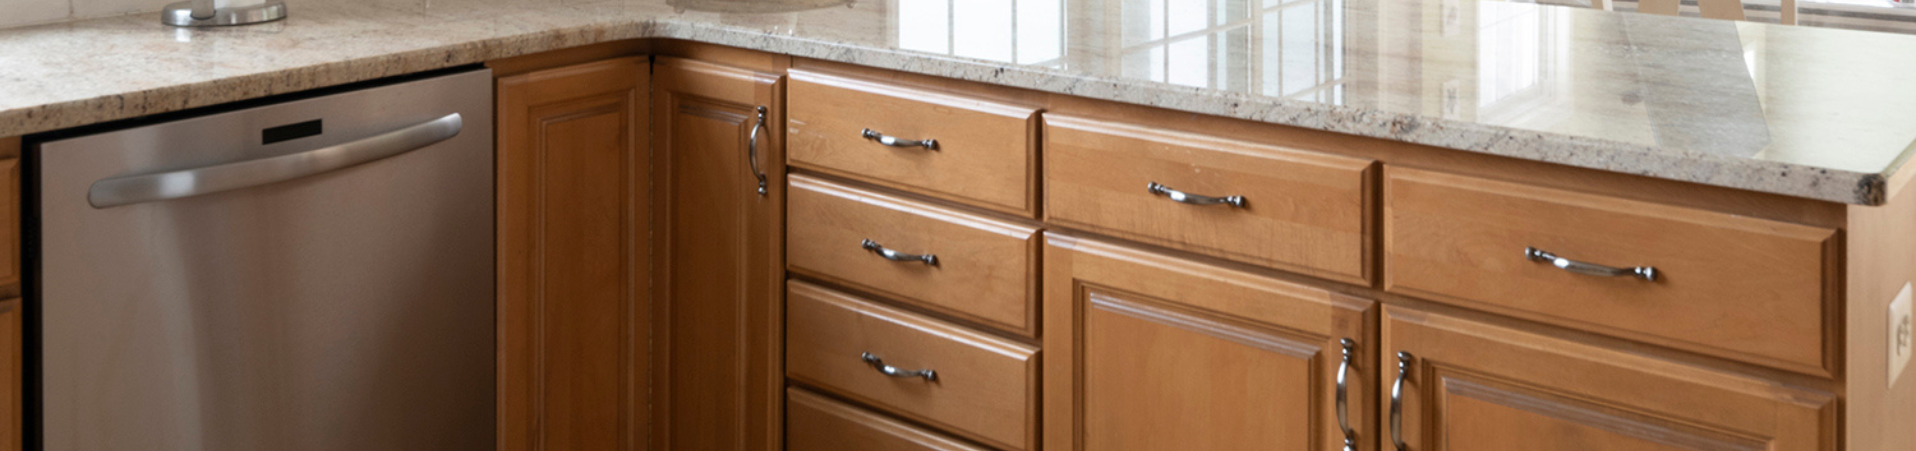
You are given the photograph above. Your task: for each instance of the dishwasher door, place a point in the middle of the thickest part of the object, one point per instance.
(347, 306)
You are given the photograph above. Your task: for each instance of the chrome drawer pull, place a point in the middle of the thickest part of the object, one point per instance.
(1193, 199)
(874, 135)
(1539, 255)
(1397, 401)
(751, 150)
(888, 370)
(1343, 398)
(927, 259)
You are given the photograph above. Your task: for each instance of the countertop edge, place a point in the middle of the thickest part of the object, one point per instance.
(1787, 179)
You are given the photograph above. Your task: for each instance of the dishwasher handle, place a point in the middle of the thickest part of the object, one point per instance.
(135, 189)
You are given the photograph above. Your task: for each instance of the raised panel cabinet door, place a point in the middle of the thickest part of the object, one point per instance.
(1467, 385)
(1150, 352)
(719, 196)
(573, 307)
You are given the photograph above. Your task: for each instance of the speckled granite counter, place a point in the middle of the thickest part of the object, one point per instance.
(1816, 113)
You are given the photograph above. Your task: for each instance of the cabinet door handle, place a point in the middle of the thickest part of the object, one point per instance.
(751, 150)
(1539, 255)
(1343, 398)
(1193, 199)
(1397, 401)
(888, 370)
(875, 136)
(888, 254)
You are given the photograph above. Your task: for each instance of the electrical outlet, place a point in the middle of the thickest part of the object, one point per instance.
(1901, 334)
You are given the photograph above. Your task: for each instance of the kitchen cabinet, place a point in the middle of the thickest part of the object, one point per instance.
(574, 305)
(717, 205)
(1469, 385)
(1151, 352)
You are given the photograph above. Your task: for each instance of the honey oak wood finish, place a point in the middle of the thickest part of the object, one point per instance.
(12, 369)
(986, 152)
(10, 189)
(1149, 352)
(574, 302)
(984, 387)
(986, 268)
(1478, 387)
(821, 424)
(1304, 211)
(1741, 288)
(1881, 259)
(718, 244)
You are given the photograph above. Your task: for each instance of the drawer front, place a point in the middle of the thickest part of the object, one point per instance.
(983, 154)
(1300, 211)
(1469, 386)
(1737, 287)
(978, 268)
(816, 423)
(979, 386)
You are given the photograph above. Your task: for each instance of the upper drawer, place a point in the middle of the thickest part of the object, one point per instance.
(975, 385)
(1285, 208)
(1733, 286)
(983, 151)
(977, 268)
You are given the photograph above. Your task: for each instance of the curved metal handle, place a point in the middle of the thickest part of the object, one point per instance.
(875, 136)
(751, 150)
(1343, 398)
(1397, 401)
(927, 259)
(1539, 255)
(888, 370)
(1193, 199)
(135, 189)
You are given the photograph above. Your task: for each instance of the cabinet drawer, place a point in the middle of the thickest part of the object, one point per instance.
(983, 153)
(979, 386)
(1296, 210)
(815, 423)
(1466, 385)
(977, 268)
(1733, 286)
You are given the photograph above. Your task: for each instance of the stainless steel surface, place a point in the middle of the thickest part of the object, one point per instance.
(1539, 255)
(1193, 199)
(347, 310)
(875, 136)
(927, 259)
(1397, 401)
(1343, 396)
(204, 9)
(751, 150)
(888, 370)
(133, 189)
(201, 13)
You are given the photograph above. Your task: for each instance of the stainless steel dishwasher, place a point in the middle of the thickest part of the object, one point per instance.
(309, 274)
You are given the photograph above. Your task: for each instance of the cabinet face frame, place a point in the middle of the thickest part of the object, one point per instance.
(549, 233)
(707, 213)
(1472, 381)
(1195, 301)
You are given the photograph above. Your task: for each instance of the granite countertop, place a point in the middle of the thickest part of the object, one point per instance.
(1817, 113)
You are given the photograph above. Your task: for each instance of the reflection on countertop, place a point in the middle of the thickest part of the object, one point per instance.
(1807, 112)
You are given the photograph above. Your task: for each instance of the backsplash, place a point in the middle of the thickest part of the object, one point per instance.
(28, 12)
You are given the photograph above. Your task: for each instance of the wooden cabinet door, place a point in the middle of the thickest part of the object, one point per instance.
(1148, 352)
(1470, 386)
(719, 275)
(573, 304)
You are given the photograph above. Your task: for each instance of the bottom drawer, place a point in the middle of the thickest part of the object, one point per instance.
(973, 385)
(815, 423)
